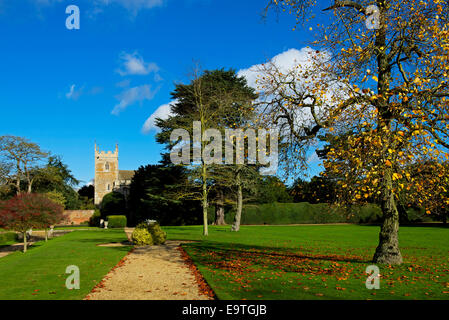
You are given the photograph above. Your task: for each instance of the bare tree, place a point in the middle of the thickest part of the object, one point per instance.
(22, 157)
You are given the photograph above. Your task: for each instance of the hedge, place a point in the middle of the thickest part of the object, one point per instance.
(7, 237)
(306, 213)
(94, 221)
(116, 221)
(288, 213)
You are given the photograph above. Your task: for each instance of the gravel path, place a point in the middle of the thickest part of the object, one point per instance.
(150, 273)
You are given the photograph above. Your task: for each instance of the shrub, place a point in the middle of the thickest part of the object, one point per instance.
(159, 236)
(142, 225)
(113, 204)
(94, 221)
(8, 237)
(116, 221)
(142, 237)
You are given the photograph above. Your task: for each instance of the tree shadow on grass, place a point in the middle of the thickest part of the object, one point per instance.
(104, 243)
(227, 250)
(412, 224)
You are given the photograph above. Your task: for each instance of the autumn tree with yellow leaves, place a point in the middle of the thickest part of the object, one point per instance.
(379, 78)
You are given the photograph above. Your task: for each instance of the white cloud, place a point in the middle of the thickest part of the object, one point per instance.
(163, 112)
(293, 64)
(133, 95)
(133, 6)
(285, 61)
(123, 84)
(133, 64)
(76, 92)
(70, 93)
(73, 93)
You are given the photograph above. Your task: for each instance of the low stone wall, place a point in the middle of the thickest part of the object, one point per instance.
(77, 216)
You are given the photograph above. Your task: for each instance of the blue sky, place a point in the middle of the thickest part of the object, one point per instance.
(64, 89)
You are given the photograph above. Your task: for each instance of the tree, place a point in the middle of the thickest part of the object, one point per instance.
(209, 101)
(26, 211)
(22, 155)
(49, 218)
(113, 203)
(56, 197)
(86, 196)
(6, 188)
(56, 176)
(87, 192)
(385, 87)
(432, 180)
(239, 179)
(153, 196)
(219, 201)
(271, 189)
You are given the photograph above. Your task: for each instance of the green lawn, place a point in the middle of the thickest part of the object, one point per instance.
(316, 262)
(40, 273)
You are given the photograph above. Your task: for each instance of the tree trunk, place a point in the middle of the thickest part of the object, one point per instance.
(24, 242)
(238, 214)
(30, 185)
(387, 251)
(18, 177)
(204, 201)
(46, 234)
(219, 209)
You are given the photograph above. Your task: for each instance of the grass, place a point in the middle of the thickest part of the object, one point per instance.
(40, 273)
(76, 227)
(316, 262)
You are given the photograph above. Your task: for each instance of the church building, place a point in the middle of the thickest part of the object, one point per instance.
(108, 177)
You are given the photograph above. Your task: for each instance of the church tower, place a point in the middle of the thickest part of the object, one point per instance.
(106, 173)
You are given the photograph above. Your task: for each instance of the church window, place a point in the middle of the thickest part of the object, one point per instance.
(106, 166)
(109, 187)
